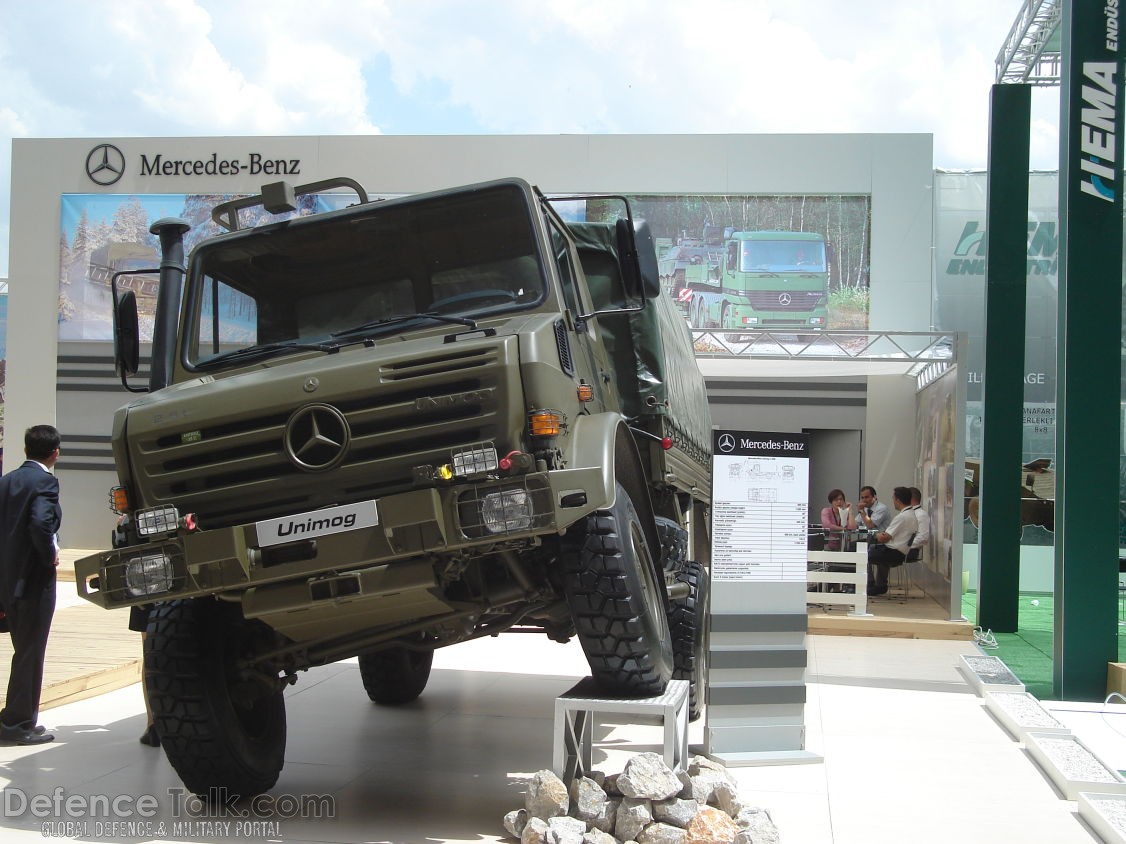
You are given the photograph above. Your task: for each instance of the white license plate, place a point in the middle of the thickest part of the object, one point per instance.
(317, 523)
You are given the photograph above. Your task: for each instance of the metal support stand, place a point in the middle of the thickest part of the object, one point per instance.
(577, 711)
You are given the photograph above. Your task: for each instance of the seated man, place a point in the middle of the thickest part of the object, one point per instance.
(892, 544)
(873, 515)
(923, 534)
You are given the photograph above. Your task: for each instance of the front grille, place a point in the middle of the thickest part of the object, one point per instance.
(799, 300)
(400, 414)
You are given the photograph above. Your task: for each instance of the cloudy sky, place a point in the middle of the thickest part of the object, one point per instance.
(286, 67)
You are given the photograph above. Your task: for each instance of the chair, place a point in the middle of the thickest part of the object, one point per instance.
(815, 541)
(900, 576)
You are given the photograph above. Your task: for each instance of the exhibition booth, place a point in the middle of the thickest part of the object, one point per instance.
(84, 207)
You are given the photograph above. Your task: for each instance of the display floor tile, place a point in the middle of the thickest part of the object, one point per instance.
(908, 754)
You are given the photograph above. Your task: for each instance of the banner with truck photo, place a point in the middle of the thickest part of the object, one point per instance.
(105, 234)
(798, 263)
(785, 263)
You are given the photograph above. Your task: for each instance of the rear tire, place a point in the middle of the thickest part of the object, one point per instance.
(701, 315)
(674, 543)
(688, 621)
(223, 731)
(617, 603)
(724, 314)
(395, 676)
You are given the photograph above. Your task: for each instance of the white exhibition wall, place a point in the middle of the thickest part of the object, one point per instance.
(895, 171)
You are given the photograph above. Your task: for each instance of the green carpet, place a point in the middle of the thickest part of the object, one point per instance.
(1028, 652)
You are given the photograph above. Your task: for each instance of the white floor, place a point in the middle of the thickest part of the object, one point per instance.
(909, 755)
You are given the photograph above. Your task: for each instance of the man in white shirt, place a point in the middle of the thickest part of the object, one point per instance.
(923, 534)
(892, 544)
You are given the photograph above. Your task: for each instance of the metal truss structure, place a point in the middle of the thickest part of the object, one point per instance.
(1031, 52)
(925, 355)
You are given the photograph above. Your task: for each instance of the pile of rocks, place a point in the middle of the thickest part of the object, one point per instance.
(646, 803)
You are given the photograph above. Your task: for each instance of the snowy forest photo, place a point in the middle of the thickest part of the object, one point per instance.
(105, 233)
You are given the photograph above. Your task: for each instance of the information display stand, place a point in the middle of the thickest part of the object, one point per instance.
(757, 653)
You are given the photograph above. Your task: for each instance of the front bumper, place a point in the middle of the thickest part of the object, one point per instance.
(424, 523)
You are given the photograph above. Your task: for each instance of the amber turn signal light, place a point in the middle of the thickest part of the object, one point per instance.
(119, 500)
(545, 423)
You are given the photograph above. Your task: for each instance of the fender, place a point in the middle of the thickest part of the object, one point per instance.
(591, 468)
(605, 454)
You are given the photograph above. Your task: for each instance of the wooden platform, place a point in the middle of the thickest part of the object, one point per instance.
(914, 617)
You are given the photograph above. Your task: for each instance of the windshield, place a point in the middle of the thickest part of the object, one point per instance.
(780, 256)
(450, 259)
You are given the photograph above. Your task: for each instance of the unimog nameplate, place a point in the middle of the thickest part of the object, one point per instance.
(317, 523)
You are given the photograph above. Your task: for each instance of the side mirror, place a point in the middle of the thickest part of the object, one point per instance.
(126, 336)
(647, 259)
(638, 256)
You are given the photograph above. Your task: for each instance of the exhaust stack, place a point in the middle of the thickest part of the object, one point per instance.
(171, 232)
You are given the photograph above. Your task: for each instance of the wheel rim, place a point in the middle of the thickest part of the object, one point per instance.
(655, 619)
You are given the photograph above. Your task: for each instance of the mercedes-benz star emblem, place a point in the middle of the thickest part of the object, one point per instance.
(105, 164)
(784, 299)
(317, 437)
(726, 442)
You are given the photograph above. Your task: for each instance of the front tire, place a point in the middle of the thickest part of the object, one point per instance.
(617, 603)
(688, 621)
(223, 730)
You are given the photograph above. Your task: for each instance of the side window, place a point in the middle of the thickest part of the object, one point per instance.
(562, 255)
(226, 317)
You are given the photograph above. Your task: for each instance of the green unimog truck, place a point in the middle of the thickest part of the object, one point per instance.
(773, 280)
(384, 429)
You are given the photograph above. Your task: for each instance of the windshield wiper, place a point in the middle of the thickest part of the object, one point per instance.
(395, 320)
(267, 350)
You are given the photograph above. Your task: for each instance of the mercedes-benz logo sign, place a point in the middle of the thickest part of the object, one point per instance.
(784, 299)
(105, 164)
(317, 437)
(726, 442)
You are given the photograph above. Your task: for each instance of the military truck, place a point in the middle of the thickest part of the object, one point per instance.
(689, 263)
(117, 259)
(767, 279)
(393, 427)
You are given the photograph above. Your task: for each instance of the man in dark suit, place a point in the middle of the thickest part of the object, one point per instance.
(30, 516)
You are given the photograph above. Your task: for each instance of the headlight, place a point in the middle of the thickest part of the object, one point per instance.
(150, 574)
(157, 520)
(507, 511)
(474, 461)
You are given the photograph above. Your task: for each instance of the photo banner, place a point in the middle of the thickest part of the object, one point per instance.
(104, 234)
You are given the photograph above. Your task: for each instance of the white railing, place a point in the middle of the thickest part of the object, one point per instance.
(856, 575)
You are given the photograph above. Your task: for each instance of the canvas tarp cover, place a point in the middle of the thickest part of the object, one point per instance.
(651, 350)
